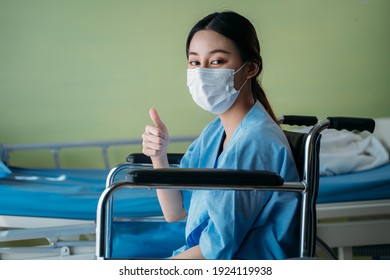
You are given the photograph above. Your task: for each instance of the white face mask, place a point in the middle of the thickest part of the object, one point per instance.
(213, 89)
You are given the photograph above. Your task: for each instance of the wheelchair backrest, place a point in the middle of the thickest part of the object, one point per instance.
(297, 142)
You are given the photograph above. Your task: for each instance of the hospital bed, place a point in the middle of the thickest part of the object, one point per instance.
(49, 213)
(170, 179)
(61, 227)
(360, 220)
(353, 212)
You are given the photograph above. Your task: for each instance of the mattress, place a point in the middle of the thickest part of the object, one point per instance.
(365, 185)
(68, 194)
(74, 193)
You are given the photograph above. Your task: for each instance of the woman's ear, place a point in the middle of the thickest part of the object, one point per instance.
(252, 69)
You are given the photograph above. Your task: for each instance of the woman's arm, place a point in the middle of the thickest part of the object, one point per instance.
(193, 253)
(171, 202)
(155, 142)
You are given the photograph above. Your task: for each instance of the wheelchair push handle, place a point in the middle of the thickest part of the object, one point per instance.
(359, 124)
(299, 120)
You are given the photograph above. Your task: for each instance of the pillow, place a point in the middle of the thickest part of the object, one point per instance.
(345, 152)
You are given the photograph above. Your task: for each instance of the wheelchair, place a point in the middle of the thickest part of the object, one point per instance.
(305, 148)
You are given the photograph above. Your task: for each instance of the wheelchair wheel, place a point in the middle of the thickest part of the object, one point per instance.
(323, 251)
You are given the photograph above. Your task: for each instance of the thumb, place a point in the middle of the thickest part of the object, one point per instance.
(156, 119)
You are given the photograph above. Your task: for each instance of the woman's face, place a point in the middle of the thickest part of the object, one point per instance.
(209, 49)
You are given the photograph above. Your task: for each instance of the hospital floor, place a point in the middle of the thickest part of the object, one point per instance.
(377, 252)
(374, 252)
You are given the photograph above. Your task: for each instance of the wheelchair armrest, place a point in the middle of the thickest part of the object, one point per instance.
(203, 177)
(139, 158)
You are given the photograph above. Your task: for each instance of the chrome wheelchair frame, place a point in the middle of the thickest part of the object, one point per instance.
(179, 178)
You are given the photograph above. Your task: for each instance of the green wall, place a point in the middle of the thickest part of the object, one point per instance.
(90, 70)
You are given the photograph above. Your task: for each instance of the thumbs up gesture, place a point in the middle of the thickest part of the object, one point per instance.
(155, 139)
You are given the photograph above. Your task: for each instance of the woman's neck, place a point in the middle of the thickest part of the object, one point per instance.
(232, 118)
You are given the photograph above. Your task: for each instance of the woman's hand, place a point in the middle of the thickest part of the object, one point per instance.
(155, 140)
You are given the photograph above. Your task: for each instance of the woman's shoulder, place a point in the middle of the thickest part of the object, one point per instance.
(260, 138)
(259, 135)
(260, 128)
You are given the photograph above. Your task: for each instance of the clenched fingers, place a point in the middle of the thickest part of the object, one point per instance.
(154, 141)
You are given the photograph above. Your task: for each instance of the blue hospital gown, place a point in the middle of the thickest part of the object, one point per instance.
(243, 224)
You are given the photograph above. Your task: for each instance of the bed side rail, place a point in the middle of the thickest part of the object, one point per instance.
(55, 148)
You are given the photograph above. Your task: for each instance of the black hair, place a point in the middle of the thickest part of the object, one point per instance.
(241, 31)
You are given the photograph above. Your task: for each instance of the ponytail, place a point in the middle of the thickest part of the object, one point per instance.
(257, 91)
(259, 95)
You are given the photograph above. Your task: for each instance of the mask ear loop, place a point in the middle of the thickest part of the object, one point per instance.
(242, 86)
(240, 68)
(245, 80)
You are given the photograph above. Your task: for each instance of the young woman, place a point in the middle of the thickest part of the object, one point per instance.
(224, 63)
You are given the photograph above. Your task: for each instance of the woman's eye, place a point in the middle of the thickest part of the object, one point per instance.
(193, 62)
(216, 62)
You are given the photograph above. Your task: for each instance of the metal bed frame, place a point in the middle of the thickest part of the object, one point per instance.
(347, 225)
(56, 148)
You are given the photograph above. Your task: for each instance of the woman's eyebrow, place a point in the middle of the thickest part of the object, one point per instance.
(211, 52)
(219, 51)
(193, 53)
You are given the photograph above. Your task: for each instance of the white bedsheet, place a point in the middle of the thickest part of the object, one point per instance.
(345, 152)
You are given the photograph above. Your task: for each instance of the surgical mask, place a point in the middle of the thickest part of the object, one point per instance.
(213, 89)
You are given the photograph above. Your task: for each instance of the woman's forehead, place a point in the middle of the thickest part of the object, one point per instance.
(206, 41)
